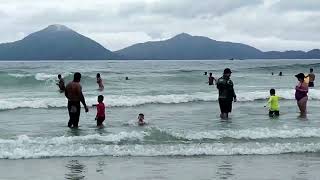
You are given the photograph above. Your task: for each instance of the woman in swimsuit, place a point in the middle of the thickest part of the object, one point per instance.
(302, 94)
(99, 82)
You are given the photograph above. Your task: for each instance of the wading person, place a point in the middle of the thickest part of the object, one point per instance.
(73, 92)
(226, 94)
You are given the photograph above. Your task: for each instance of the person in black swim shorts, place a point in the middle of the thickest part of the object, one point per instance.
(226, 93)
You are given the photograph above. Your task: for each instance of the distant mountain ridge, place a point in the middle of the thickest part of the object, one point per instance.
(58, 42)
(185, 46)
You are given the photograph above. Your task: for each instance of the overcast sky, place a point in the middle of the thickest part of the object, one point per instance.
(265, 24)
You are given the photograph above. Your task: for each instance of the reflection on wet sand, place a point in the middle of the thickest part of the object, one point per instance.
(77, 170)
(224, 171)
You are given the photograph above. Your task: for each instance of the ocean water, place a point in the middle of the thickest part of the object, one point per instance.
(183, 130)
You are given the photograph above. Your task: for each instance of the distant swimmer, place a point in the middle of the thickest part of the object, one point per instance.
(99, 82)
(205, 73)
(273, 104)
(301, 94)
(312, 77)
(60, 84)
(280, 73)
(141, 121)
(74, 95)
(226, 93)
(127, 78)
(211, 79)
(272, 73)
(101, 109)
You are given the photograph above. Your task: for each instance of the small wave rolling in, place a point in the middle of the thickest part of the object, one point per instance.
(180, 108)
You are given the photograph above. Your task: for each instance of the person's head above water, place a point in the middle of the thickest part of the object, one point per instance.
(205, 73)
(98, 75)
(272, 92)
(227, 72)
(59, 76)
(141, 116)
(77, 77)
(300, 77)
(311, 70)
(100, 98)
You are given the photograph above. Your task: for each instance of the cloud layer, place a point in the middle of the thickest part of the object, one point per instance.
(265, 24)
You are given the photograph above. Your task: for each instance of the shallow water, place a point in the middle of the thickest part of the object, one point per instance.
(275, 167)
(181, 110)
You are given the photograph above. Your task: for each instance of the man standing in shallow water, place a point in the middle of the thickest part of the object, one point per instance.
(73, 92)
(226, 94)
(312, 77)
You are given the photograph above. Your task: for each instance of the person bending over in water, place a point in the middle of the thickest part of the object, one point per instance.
(312, 77)
(211, 80)
(273, 104)
(205, 73)
(101, 109)
(99, 82)
(226, 94)
(141, 121)
(60, 84)
(74, 95)
(301, 94)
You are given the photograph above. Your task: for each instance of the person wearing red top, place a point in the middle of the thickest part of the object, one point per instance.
(101, 116)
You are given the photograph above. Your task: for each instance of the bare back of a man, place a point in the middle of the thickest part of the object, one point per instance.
(312, 77)
(74, 92)
(74, 95)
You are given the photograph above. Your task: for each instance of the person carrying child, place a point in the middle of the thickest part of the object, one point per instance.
(100, 117)
(273, 104)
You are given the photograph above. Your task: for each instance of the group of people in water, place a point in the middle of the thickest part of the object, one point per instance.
(227, 94)
(73, 92)
(225, 86)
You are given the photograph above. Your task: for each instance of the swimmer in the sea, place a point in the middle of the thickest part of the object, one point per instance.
(99, 82)
(312, 77)
(280, 73)
(211, 80)
(141, 121)
(127, 78)
(60, 84)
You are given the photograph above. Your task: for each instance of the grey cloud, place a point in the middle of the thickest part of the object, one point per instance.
(297, 5)
(119, 23)
(186, 8)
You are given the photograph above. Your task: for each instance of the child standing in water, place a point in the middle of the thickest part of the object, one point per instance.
(141, 119)
(273, 104)
(99, 82)
(100, 117)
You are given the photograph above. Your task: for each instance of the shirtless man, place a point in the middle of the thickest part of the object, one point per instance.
(312, 77)
(99, 82)
(60, 84)
(74, 95)
(211, 79)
